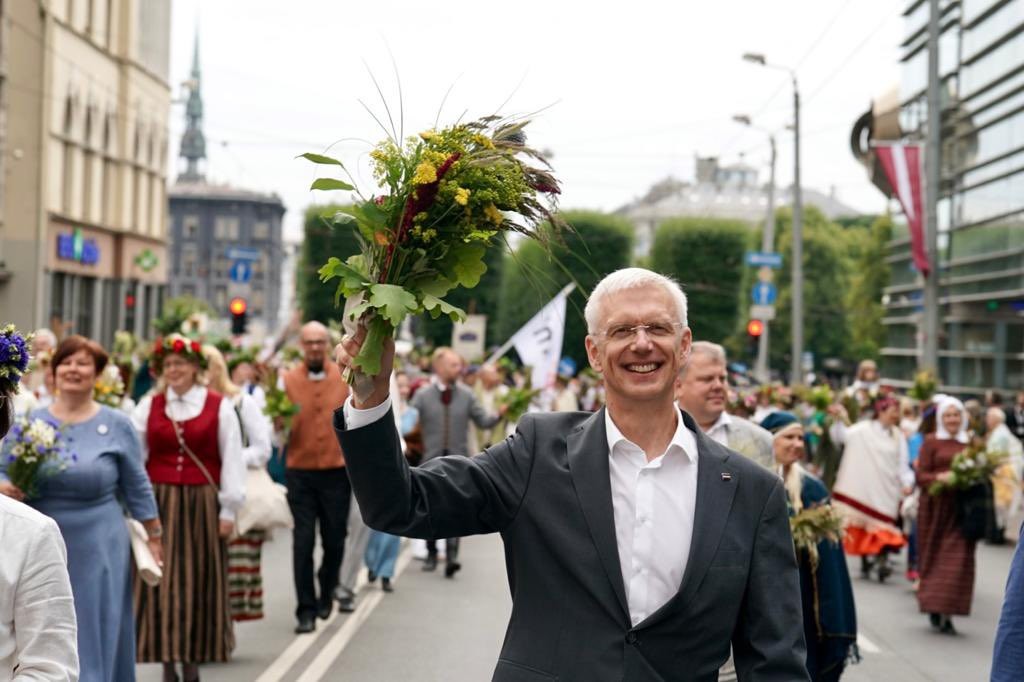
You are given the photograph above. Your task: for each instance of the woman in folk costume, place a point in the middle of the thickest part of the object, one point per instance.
(874, 477)
(830, 617)
(193, 447)
(245, 583)
(945, 556)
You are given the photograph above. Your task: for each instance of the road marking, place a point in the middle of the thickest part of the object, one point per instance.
(302, 643)
(337, 643)
(867, 645)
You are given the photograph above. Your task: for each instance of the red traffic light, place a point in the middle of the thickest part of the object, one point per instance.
(238, 306)
(755, 327)
(129, 301)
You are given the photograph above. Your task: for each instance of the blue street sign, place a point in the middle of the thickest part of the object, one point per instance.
(243, 253)
(763, 293)
(764, 259)
(241, 271)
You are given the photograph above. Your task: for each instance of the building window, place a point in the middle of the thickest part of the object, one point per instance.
(69, 177)
(258, 299)
(225, 228)
(189, 260)
(261, 230)
(222, 268)
(188, 290)
(190, 227)
(220, 299)
(86, 299)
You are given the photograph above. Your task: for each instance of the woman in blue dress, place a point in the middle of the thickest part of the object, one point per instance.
(86, 502)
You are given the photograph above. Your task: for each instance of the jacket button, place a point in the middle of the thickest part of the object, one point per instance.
(631, 638)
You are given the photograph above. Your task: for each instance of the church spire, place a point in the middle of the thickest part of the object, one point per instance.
(193, 144)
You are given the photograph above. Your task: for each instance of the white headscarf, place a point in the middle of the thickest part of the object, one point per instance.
(940, 431)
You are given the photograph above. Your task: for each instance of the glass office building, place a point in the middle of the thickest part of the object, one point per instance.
(981, 209)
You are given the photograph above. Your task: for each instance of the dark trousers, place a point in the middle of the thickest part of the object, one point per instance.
(451, 549)
(323, 496)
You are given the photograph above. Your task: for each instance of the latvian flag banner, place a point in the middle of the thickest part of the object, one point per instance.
(902, 165)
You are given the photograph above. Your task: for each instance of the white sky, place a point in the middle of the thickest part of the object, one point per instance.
(633, 90)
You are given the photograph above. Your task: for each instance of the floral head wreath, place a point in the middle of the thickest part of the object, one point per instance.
(176, 344)
(14, 357)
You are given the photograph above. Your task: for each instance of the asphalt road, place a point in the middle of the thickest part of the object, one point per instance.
(433, 629)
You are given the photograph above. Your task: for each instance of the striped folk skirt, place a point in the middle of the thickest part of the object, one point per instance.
(245, 584)
(186, 618)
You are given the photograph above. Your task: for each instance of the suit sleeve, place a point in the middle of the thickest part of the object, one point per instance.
(1008, 657)
(768, 643)
(447, 496)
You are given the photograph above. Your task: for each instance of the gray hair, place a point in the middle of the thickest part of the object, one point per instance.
(996, 414)
(709, 350)
(631, 278)
(44, 333)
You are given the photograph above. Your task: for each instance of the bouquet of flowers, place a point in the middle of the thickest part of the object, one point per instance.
(924, 386)
(447, 196)
(109, 389)
(123, 352)
(278, 403)
(35, 450)
(518, 401)
(14, 359)
(814, 524)
(973, 465)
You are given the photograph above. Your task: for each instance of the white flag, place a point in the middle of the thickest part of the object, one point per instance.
(539, 342)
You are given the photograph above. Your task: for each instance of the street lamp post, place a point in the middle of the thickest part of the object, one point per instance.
(767, 245)
(797, 286)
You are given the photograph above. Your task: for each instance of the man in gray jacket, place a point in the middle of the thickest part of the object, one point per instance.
(446, 407)
(637, 548)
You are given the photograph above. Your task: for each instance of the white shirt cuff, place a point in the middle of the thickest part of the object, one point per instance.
(356, 419)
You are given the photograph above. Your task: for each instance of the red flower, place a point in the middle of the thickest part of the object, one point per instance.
(379, 201)
(158, 345)
(178, 346)
(196, 348)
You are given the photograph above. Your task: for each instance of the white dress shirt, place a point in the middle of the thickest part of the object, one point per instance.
(719, 431)
(229, 439)
(654, 503)
(38, 629)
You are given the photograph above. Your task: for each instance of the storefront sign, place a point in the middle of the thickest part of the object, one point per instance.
(146, 260)
(77, 248)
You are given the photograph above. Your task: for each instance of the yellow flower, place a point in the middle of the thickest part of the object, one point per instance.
(425, 174)
(462, 196)
(493, 214)
(428, 135)
(381, 238)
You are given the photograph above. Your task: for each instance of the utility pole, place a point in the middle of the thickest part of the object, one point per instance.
(933, 150)
(767, 246)
(797, 286)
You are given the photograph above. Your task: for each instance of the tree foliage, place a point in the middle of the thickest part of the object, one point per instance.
(705, 255)
(600, 244)
(320, 242)
(871, 275)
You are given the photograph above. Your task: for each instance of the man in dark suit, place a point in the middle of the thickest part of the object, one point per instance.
(636, 547)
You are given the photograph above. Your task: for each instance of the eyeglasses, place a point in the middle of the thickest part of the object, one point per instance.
(654, 330)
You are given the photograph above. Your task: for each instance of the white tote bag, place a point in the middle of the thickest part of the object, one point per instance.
(145, 563)
(266, 504)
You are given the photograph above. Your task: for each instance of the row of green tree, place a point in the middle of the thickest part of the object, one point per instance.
(844, 271)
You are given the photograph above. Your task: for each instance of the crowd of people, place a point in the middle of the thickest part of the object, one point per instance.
(175, 447)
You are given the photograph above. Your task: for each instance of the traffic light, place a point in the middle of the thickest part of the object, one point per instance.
(755, 328)
(238, 307)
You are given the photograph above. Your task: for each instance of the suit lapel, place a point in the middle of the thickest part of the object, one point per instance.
(587, 449)
(714, 500)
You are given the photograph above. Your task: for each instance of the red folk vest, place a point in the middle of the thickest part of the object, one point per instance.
(168, 462)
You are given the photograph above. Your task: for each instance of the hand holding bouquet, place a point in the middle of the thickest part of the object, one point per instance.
(448, 195)
(971, 466)
(34, 450)
(109, 388)
(278, 407)
(517, 401)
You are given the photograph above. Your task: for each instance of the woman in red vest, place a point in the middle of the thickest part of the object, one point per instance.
(194, 459)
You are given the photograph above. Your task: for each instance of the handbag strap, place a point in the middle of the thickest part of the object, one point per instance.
(188, 451)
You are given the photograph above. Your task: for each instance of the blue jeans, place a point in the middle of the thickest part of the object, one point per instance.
(381, 553)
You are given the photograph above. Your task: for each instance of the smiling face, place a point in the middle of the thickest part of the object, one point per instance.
(178, 373)
(789, 446)
(76, 373)
(640, 367)
(952, 420)
(703, 388)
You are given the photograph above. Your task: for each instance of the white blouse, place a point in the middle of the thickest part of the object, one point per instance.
(229, 439)
(257, 429)
(38, 631)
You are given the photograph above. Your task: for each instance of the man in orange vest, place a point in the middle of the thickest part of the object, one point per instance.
(318, 487)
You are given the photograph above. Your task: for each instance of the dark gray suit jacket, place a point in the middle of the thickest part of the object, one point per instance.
(547, 491)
